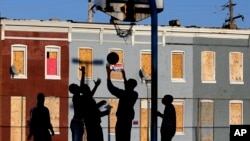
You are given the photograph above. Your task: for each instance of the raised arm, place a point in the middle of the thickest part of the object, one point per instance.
(82, 82)
(112, 89)
(124, 75)
(97, 83)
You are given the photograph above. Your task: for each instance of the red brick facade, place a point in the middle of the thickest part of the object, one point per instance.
(35, 81)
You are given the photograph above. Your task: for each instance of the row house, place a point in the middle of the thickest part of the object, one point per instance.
(205, 69)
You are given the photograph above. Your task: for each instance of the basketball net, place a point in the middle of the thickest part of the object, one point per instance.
(123, 33)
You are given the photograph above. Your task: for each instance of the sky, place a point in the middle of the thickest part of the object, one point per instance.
(201, 13)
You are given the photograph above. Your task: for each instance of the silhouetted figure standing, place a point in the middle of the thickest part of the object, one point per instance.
(77, 122)
(168, 126)
(40, 125)
(125, 111)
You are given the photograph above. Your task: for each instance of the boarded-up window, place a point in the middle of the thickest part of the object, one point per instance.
(236, 67)
(19, 61)
(145, 118)
(116, 74)
(208, 66)
(179, 109)
(146, 63)
(18, 119)
(86, 59)
(52, 62)
(206, 120)
(236, 113)
(112, 115)
(177, 65)
(53, 104)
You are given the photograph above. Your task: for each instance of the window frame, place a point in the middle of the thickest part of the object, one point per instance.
(120, 74)
(181, 80)
(79, 65)
(20, 47)
(54, 49)
(241, 71)
(146, 51)
(180, 102)
(242, 112)
(214, 69)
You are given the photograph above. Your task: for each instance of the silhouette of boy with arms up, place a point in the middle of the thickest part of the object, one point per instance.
(125, 111)
(93, 114)
(40, 125)
(77, 122)
(168, 126)
(86, 110)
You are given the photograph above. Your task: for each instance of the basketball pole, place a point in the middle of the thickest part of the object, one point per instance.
(154, 63)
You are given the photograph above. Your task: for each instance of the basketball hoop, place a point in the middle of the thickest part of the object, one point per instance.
(123, 33)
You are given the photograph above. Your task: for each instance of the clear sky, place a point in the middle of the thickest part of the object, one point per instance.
(202, 13)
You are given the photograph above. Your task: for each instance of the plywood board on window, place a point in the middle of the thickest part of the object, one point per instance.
(177, 65)
(235, 113)
(144, 117)
(179, 117)
(208, 66)
(206, 120)
(112, 115)
(52, 54)
(18, 119)
(114, 74)
(53, 104)
(146, 63)
(18, 61)
(236, 67)
(207, 114)
(86, 58)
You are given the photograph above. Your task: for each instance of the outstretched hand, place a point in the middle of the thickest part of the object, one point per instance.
(103, 102)
(97, 82)
(82, 68)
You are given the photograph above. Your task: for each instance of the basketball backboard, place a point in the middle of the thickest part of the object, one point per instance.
(127, 10)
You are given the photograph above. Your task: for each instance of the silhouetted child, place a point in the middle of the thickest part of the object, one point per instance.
(40, 125)
(125, 111)
(93, 114)
(86, 111)
(77, 122)
(168, 126)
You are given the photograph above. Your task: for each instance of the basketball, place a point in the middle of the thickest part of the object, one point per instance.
(112, 58)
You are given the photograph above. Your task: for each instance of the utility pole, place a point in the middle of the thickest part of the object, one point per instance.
(90, 11)
(229, 23)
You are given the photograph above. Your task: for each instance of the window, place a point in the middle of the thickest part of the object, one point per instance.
(146, 63)
(112, 115)
(206, 120)
(208, 67)
(19, 61)
(177, 66)
(53, 104)
(236, 113)
(18, 118)
(236, 67)
(145, 119)
(86, 58)
(179, 109)
(116, 74)
(52, 62)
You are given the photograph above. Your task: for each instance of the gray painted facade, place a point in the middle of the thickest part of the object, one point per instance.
(191, 91)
